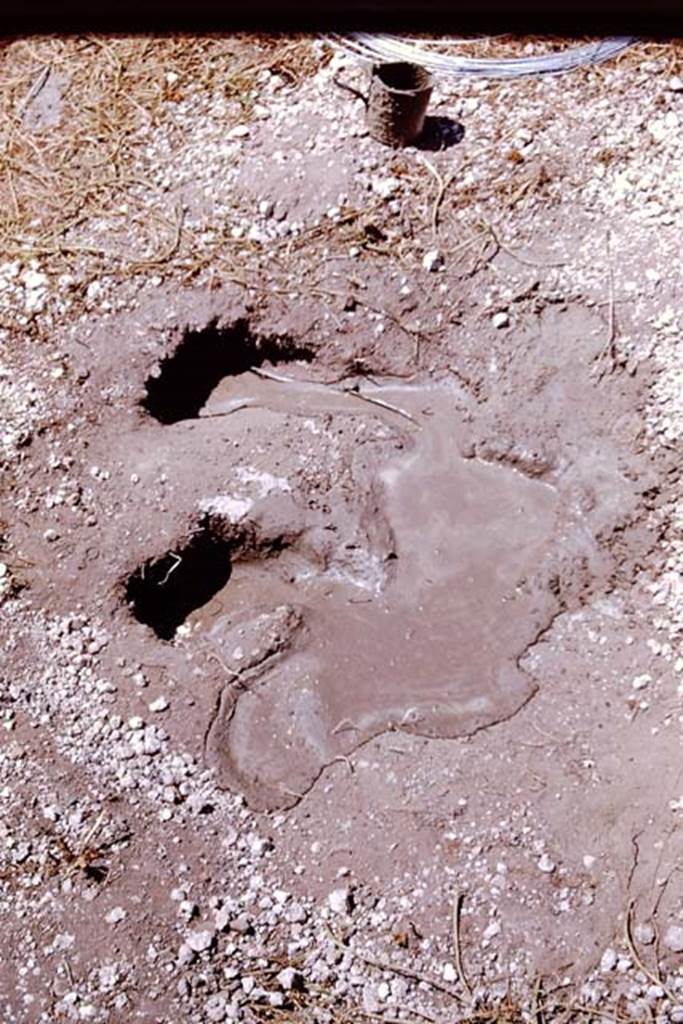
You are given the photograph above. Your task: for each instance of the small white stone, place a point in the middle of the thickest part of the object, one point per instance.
(492, 930)
(340, 901)
(385, 187)
(675, 84)
(34, 279)
(500, 320)
(199, 941)
(160, 704)
(214, 1008)
(50, 535)
(115, 915)
(188, 909)
(185, 955)
(383, 991)
(151, 743)
(608, 961)
(432, 260)
(449, 973)
(640, 682)
(673, 938)
(288, 978)
(588, 861)
(266, 208)
(545, 864)
(240, 131)
(644, 933)
(259, 845)
(222, 919)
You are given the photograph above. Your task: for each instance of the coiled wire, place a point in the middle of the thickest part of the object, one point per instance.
(388, 48)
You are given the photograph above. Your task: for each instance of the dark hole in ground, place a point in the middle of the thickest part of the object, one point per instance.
(202, 359)
(163, 592)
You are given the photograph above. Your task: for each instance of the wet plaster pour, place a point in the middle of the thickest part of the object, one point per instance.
(345, 559)
(430, 645)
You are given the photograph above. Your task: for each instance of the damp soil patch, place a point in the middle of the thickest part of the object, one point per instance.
(202, 359)
(435, 650)
(162, 592)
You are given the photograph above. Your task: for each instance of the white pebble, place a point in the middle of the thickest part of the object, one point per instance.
(608, 961)
(644, 933)
(288, 978)
(340, 901)
(199, 941)
(673, 938)
(449, 973)
(115, 915)
(545, 864)
(432, 260)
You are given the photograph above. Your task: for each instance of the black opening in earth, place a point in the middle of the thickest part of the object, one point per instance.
(163, 591)
(202, 359)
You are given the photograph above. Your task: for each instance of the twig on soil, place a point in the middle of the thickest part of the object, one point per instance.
(458, 901)
(653, 975)
(279, 377)
(636, 858)
(379, 402)
(34, 91)
(539, 1014)
(515, 256)
(443, 184)
(175, 565)
(353, 391)
(171, 248)
(396, 1020)
(593, 1011)
(349, 88)
(608, 348)
(382, 965)
(232, 673)
(343, 726)
(81, 859)
(227, 412)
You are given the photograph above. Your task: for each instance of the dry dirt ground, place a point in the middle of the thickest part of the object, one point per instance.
(341, 541)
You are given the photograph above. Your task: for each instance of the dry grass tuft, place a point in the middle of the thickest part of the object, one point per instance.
(115, 92)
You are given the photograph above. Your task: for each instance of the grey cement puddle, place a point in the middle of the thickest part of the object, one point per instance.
(429, 646)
